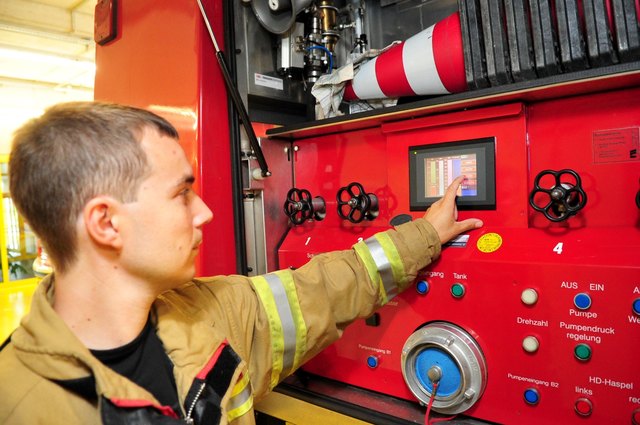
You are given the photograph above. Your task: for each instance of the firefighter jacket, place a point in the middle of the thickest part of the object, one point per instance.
(231, 338)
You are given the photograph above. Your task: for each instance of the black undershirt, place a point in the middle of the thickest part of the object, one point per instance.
(145, 362)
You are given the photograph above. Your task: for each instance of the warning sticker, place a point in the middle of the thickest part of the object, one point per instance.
(266, 81)
(617, 145)
(489, 242)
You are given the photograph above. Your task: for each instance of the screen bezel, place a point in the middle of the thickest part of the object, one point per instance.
(483, 148)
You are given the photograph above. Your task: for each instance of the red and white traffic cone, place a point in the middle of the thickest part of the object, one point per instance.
(429, 63)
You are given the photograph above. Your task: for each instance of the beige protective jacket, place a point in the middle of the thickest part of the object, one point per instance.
(231, 338)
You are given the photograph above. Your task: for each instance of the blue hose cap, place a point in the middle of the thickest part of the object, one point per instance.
(451, 379)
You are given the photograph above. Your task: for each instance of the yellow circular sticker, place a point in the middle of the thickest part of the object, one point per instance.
(489, 242)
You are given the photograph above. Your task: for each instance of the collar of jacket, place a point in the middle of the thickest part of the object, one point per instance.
(46, 345)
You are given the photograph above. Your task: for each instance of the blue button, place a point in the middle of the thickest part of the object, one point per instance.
(582, 301)
(422, 287)
(531, 396)
(372, 362)
(636, 306)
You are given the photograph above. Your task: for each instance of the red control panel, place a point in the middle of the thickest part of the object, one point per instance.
(532, 319)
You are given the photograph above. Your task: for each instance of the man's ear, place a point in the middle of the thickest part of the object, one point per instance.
(101, 215)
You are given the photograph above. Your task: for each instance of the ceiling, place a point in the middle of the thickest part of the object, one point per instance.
(47, 56)
(47, 43)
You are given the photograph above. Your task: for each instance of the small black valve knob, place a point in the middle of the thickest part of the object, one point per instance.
(355, 204)
(300, 206)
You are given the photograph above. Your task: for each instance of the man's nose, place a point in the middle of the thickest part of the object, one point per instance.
(203, 214)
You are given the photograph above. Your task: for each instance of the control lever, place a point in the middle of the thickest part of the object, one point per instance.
(565, 198)
(300, 206)
(355, 205)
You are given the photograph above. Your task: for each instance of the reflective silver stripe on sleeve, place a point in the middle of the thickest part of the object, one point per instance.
(384, 266)
(238, 400)
(286, 318)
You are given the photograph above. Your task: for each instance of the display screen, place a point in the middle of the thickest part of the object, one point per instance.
(432, 168)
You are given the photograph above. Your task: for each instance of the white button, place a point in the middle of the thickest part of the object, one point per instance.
(529, 296)
(530, 344)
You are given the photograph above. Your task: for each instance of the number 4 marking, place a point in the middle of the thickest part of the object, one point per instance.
(558, 248)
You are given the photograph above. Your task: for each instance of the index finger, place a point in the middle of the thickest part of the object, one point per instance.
(450, 194)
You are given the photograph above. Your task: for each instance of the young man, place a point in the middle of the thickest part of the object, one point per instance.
(121, 332)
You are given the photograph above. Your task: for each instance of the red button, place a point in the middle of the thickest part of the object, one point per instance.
(635, 417)
(583, 406)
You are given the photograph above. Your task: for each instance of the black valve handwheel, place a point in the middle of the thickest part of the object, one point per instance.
(565, 199)
(353, 202)
(298, 206)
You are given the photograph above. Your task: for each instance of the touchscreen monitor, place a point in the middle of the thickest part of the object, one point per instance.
(432, 168)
